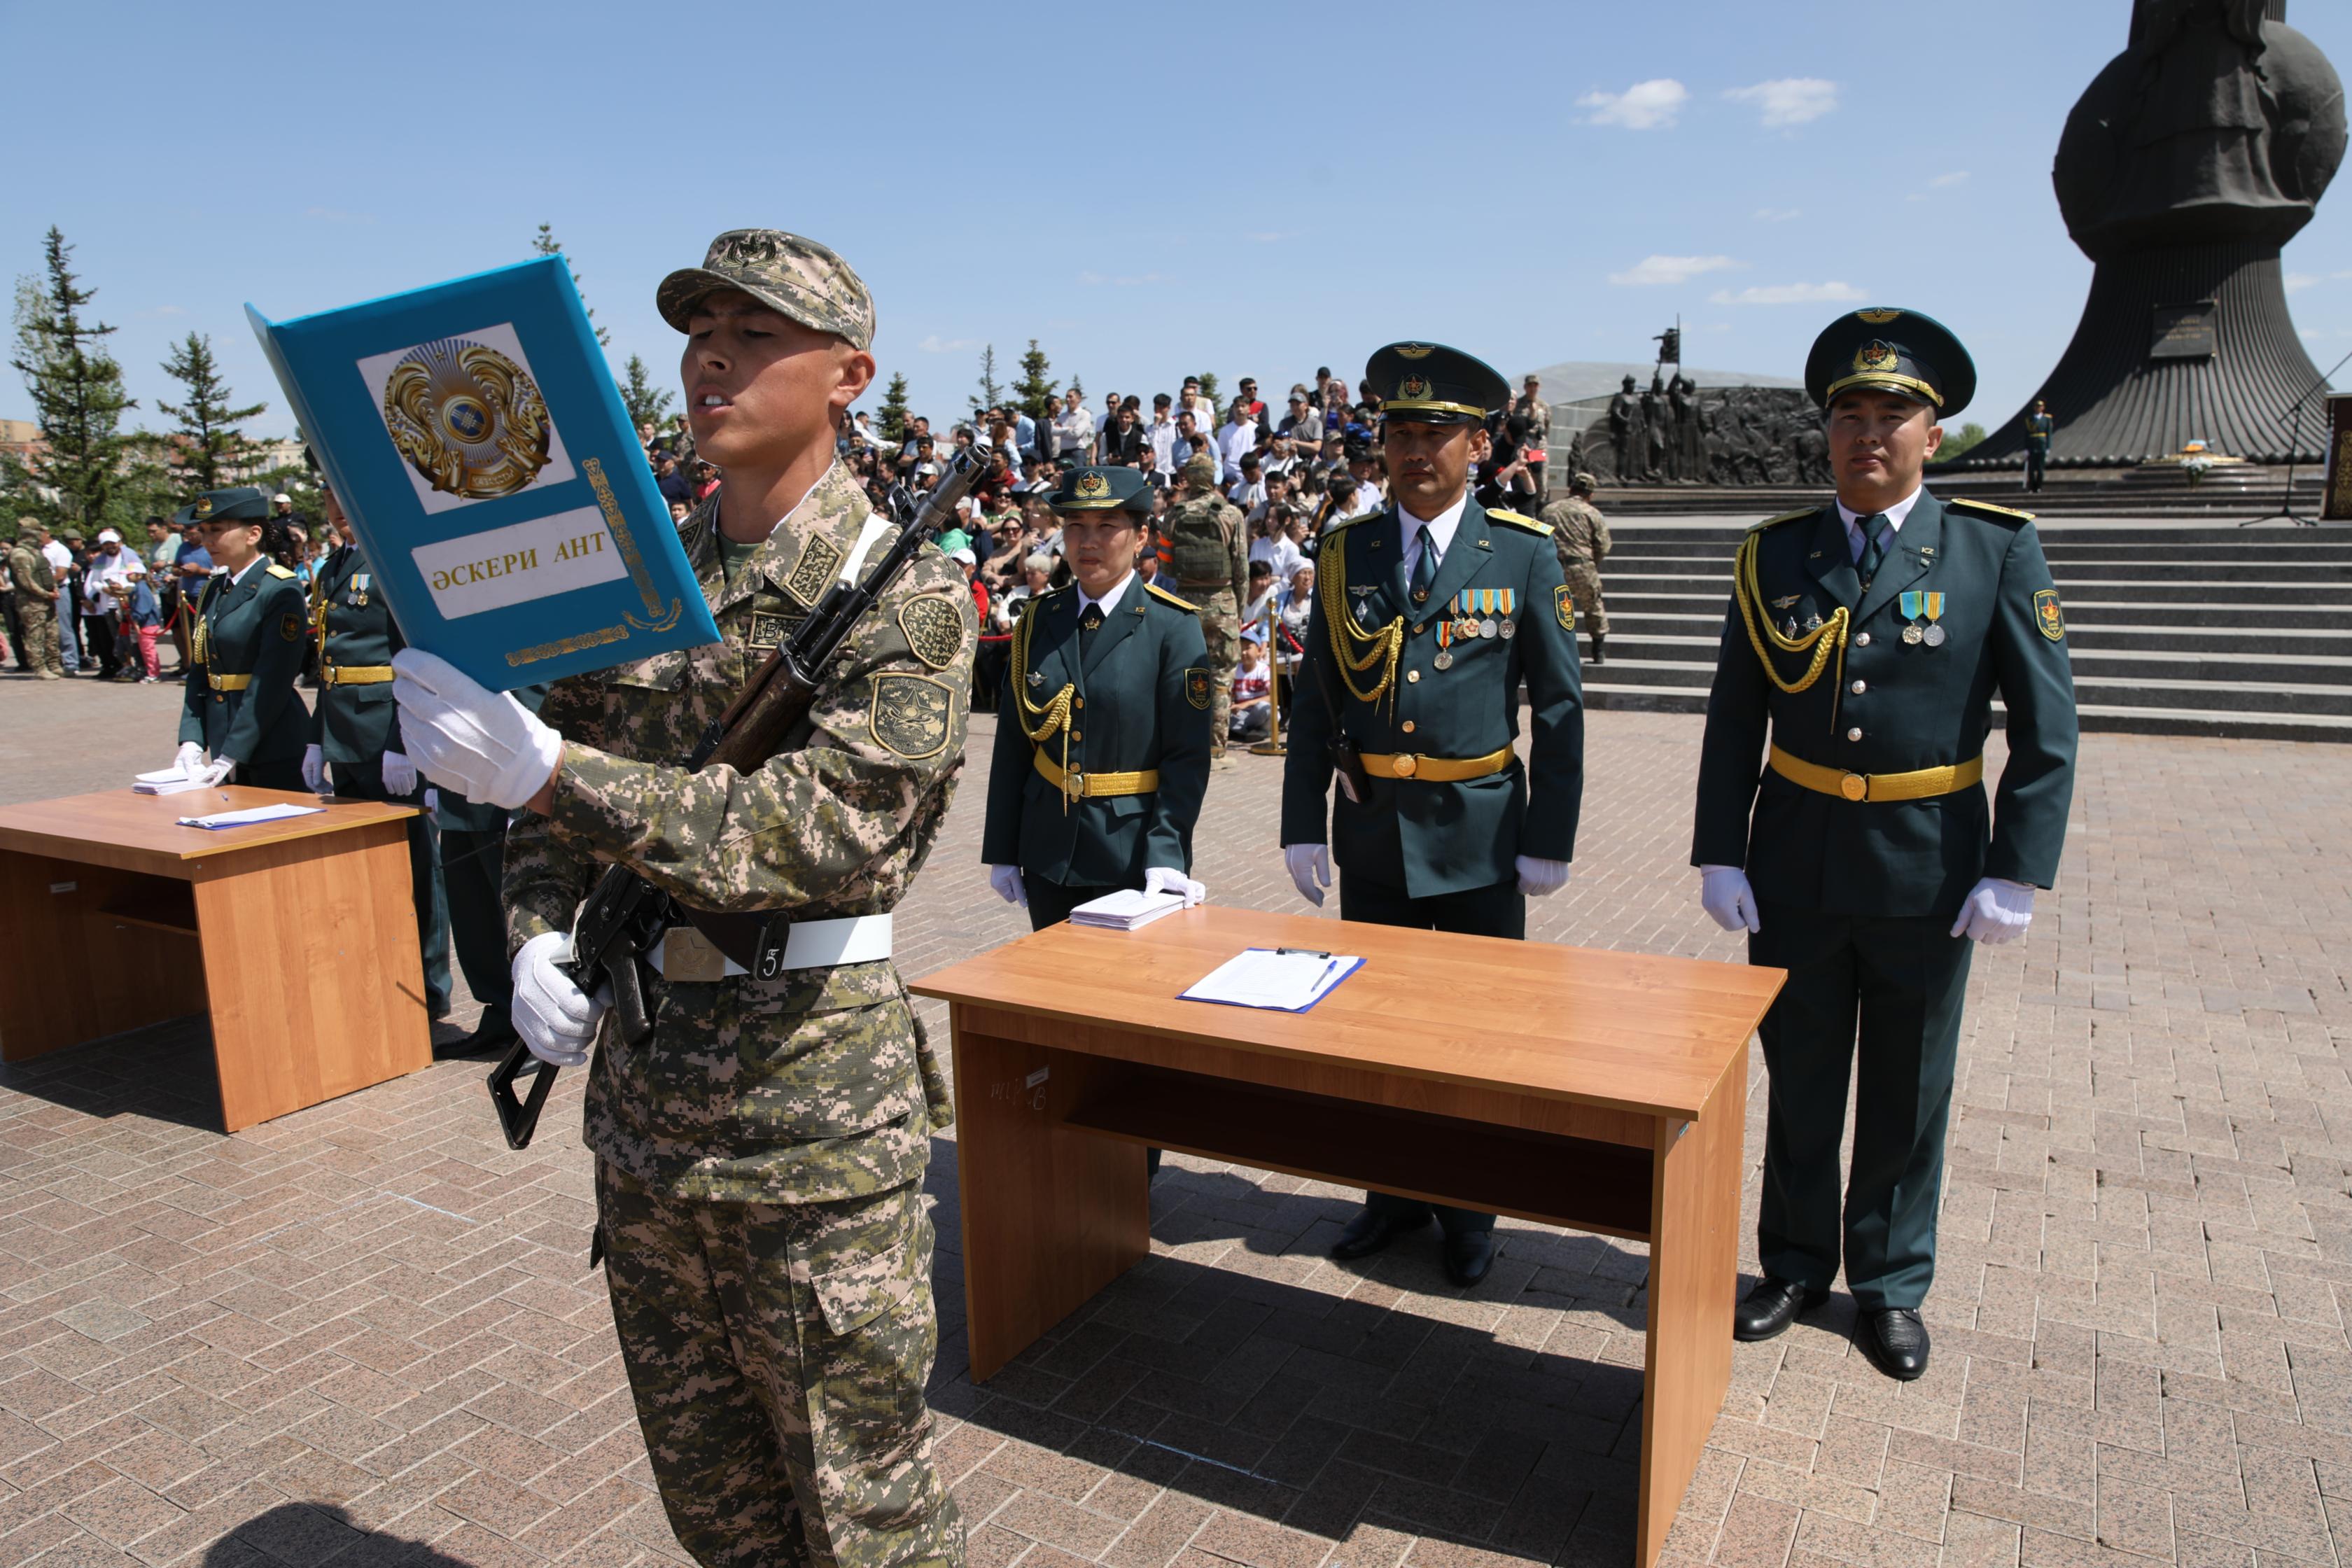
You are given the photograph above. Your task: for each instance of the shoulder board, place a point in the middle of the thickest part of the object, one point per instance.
(1986, 509)
(1520, 520)
(1157, 592)
(1784, 517)
(275, 570)
(1371, 516)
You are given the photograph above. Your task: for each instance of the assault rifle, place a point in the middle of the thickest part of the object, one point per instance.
(626, 915)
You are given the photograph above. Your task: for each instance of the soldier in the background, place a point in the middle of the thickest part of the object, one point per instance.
(1209, 551)
(36, 603)
(1581, 535)
(1531, 408)
(2040, 427)
(241, 720)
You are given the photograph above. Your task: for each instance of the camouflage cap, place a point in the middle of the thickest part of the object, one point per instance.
(796, 277)
(1202, 471)
(1582, 481)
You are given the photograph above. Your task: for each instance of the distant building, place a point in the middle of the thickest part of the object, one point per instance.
(20, 439)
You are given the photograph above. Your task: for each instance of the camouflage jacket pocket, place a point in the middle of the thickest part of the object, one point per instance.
(853, 1293)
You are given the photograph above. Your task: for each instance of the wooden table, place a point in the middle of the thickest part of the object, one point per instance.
(1603, 1091)
(298, 937)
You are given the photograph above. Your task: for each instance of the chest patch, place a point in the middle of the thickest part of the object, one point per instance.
(813, 571)
(767, 631)
(910, 714)
(934, 628)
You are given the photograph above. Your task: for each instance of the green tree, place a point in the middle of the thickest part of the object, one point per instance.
(1208, 393)
(1959, 441)
(1034, 389)
(896, 416)
(991, 392)
(546, 244)
(209, 447)
(78, 397)
(646, 402)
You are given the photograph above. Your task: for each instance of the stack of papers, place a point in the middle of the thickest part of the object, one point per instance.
(249, 815)
(1127, 908)
(1287, 979)
(164, 780)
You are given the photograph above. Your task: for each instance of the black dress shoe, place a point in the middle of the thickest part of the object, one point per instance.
(494, 1032)
(1371, 1230)
(1469, 1256)
(1896, 1341)
(1771, 1306)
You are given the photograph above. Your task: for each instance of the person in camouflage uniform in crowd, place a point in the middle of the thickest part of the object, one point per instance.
(36, 603)
(1208, 543)
(760, 1157)
(1581, 535)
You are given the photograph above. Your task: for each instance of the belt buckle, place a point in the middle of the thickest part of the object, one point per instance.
(1074, 785)
(1855, 786)
(1407, 764)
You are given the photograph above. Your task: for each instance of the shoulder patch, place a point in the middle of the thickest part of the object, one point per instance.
(1784, 517)
(1520, 520)
(1200, 686)
(291, 627)
(1986, 508)
(813, 573)
(275, 570)
(934, 627)
(911, 715)
(1164, 597)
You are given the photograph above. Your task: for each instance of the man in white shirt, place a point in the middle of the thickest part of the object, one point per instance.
(61, 560)
(1190, 401)
(1236, 437)
(1162, 437)
(1073, 430)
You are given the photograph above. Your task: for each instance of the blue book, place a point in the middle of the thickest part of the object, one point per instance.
(480, 447)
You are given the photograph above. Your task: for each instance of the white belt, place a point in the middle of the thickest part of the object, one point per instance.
(819, 944)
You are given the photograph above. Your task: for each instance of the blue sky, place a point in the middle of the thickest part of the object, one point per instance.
(1148, 190)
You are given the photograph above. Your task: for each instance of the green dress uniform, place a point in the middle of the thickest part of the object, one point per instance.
(2040, 431)
(1102, 730)
(1427, 673)
(1868, 825)
(245, 653)
(355, 722)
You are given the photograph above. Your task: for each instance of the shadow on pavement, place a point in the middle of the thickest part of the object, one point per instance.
(300, 1534)
(161, 1071)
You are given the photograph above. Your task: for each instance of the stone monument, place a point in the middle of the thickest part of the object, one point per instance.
(2190, 160)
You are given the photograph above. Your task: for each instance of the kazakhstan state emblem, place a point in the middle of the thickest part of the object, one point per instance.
(1876, 355)
(1093, 487)
(470, 418)
(1413, 389)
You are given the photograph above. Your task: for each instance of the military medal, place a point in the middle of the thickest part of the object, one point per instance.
(1444, 659)
(1508, 629)
(360, 592)
(1934, 635)
(1446, 632)
(1910, 604)
(1486, 627)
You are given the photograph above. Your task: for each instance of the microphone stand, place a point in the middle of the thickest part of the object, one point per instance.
(2294, 439)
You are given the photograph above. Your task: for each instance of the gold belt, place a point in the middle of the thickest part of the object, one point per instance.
(355, 674)
(228, 682)
(1921, 784)
(1436, 770)
(1077, 785)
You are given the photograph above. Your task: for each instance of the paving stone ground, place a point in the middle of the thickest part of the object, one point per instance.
(365, 1333)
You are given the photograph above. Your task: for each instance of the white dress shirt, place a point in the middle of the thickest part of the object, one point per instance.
(1895, 516)
(1439, 528)
(1110, 601)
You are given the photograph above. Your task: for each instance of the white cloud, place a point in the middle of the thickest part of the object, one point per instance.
(1789, 100)
(1657, 269)
(1644, 106)
(936, 345)
(1943, 181)
(1779, 214)
(1789, 294)
(2298, 281)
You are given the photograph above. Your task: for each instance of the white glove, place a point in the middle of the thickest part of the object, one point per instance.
(432, 800)
(1996, 910)
(218, 772)
(1539, 878)
(1725, 892)
(1006, 880)
(189, 759)
(314, 770)
(399, 775)
(1309, 865)
(480, 742)
(1167, 879)
(555, 1019)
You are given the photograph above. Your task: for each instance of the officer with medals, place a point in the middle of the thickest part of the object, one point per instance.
(1102, 730)
(239, 717)
(1870, 636)
(355, 729)
(1427, 617)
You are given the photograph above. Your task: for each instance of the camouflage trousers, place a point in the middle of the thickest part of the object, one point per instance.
(1585, 591)
(1220, 626)
(37, 619)
(777, 1353)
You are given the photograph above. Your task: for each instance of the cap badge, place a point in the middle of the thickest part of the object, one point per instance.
(1876, 355)
(1415, 351)
(1093, 487)
(204, 506)
(1876, 318)
(1413, 388)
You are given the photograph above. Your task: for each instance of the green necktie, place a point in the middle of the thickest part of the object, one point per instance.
(1424, 566)
(1873, 546)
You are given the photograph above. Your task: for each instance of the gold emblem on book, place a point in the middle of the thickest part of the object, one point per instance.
(471, 419)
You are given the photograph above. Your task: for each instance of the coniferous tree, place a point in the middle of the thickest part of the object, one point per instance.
(77, 396)
(646, 402)
(1209, 390)
(896, 416)
(546, 244)
(992, 393)
(1033, 389)
(210, 451)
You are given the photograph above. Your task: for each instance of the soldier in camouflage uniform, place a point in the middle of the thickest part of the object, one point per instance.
(1210, 542)
(1582, 534)
(36, 604)
(759, 1158)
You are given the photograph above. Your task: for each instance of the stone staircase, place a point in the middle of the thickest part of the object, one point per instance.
(2175, 628)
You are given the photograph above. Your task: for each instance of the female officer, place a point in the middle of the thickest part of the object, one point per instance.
(354, 730)
(249, 627)
(1102, 738)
